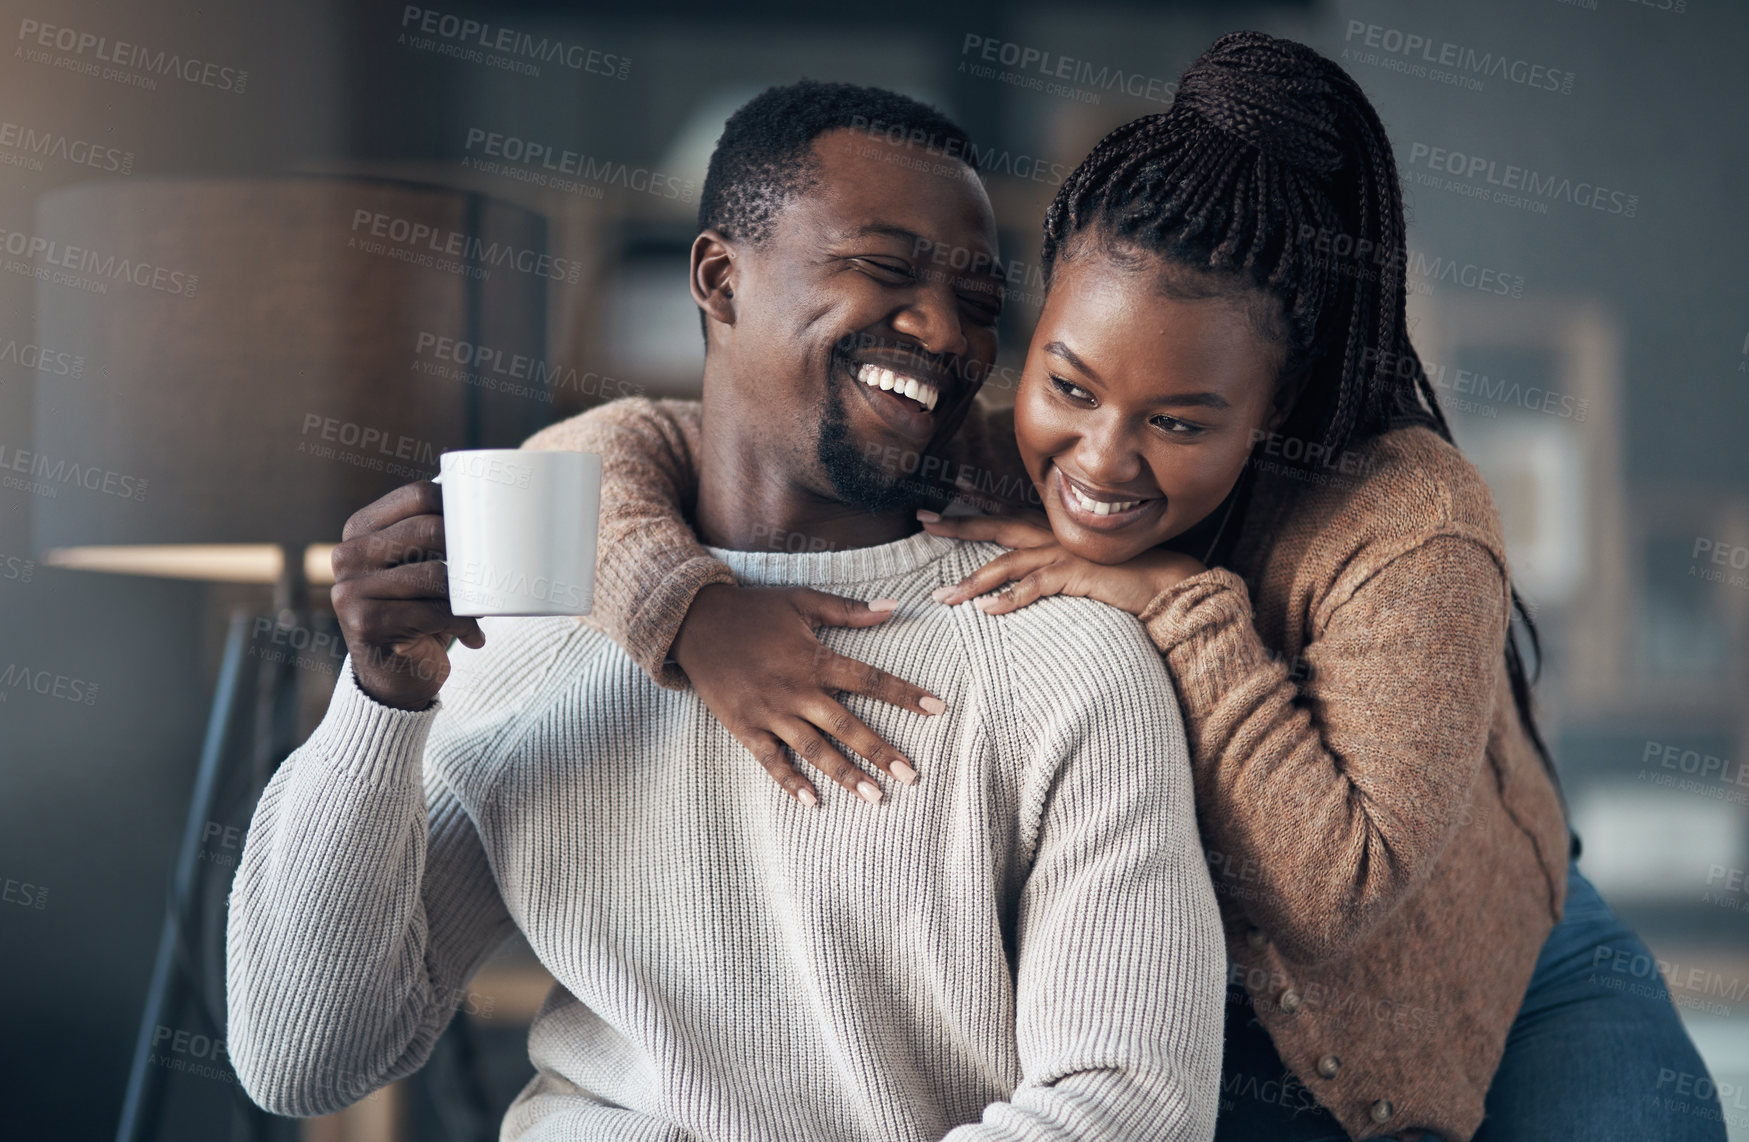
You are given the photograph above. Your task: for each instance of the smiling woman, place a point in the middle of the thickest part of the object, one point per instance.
(1392, 806)
(1140, 401)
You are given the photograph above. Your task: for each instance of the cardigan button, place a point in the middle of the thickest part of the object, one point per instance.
(1289, 1001)
(1255, 938)
(1329, 1065)
(1381, 1111)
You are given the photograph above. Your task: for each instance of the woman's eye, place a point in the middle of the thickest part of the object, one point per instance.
(1072, 391)
(1176, 427)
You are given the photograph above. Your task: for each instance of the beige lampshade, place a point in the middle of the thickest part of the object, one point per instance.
(262, 357)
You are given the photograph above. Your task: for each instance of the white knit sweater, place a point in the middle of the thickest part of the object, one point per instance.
(1023, 946)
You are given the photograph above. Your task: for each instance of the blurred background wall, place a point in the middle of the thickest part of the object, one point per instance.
(1588, 329)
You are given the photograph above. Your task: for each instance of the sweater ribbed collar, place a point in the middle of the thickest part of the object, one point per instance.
(818, 568)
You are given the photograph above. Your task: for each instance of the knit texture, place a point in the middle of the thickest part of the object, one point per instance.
(1025, 945)
(1389, 852)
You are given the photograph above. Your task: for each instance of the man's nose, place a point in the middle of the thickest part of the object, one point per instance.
(931, 317)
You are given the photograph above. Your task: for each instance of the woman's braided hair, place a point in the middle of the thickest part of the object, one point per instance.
(1271, 170)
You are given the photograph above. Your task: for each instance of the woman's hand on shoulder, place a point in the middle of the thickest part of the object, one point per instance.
(753, 657)
(1039, 566)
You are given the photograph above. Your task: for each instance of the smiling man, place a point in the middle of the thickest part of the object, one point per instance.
(1016, 938)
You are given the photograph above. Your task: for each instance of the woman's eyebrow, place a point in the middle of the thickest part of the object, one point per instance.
(1057, 348)
(1199, 400)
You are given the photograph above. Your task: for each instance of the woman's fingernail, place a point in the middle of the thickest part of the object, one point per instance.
(940, 594)
(869, 791)
(932, 705)
(806, 797)
(904, 773)
(883, 605)
(928, 516)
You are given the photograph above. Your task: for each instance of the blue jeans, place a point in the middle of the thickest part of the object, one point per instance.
(1596, 1054)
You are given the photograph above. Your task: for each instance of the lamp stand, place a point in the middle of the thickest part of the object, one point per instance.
(182, 967)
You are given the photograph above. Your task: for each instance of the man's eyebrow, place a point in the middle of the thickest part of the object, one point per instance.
(988, 263)
(883, 229)
(1199, 400)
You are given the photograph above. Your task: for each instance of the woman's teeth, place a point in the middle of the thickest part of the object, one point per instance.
(1100, 507)
(922, 392)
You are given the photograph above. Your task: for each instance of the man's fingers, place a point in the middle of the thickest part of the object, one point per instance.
(767, 750)
(811, 746)
(852, 676)
(391, 622)
(411, 539)
(418, 498)
(407, 581)
(821, 609)
(1013, 565)
(846, 727)
(414, 539)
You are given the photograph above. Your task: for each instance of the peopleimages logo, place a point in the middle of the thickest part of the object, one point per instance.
(46, 475)
(28, 146)
(986, 162)
(41, 253)
(1509, 177)
(529, 161)
(37, 358)
(453, 244)
(479, 42)
(36, 39)
(515, 374)
(1446, 62)
(1036, 68)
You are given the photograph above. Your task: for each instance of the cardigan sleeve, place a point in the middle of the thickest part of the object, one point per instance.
(649, 564)
(1335, 795)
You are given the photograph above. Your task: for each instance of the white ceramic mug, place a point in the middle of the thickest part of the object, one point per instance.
(519, 529)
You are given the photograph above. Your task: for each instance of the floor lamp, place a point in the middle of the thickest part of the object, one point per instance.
(268, 358)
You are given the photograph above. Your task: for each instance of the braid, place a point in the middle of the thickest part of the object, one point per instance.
(1270, 155)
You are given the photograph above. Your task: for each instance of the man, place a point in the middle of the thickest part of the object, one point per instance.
(1027, 945)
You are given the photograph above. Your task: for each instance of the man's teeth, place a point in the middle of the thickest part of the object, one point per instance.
(922, 392)
(1100, 507)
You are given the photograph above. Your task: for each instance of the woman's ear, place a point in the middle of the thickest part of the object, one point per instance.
(1287, 394)
(713, 276)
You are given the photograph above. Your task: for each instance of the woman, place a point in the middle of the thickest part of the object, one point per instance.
(1232, 438)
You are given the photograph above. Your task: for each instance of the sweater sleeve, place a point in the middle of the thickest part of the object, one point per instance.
(1120, 974)
(364, 900)
(1333, 797)
(649, 563)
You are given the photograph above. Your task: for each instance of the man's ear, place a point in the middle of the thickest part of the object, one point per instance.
(714, 275)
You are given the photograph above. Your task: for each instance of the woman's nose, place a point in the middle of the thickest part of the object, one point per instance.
(1108, 456)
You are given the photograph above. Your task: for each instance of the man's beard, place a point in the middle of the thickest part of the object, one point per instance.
(857, 482)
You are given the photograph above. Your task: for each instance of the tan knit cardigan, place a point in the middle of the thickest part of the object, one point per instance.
(1389, 851)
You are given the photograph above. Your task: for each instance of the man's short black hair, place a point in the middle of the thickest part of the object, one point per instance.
(764, 156)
